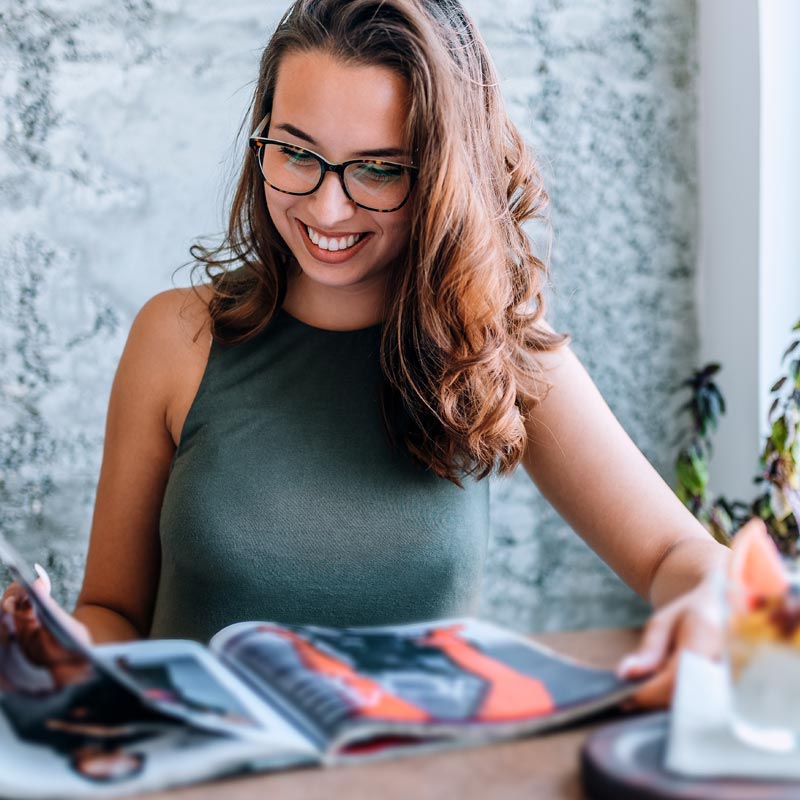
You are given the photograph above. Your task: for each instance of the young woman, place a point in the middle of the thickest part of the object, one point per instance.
(305, 436)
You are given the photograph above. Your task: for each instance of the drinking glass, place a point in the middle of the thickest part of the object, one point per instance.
(763, 663)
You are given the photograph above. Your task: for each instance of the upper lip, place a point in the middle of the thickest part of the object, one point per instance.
(331, 234)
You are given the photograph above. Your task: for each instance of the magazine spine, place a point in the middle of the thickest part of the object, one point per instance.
(281, 704)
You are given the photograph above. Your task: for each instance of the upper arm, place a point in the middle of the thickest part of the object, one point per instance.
(123, 561)
(597, 479)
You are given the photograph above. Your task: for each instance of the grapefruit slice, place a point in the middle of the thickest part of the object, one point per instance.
(755, 567)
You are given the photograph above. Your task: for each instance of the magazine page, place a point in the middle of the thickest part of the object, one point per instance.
(67, 722)
(448, 678)
(184, 674)
(39, 643)
(60, 714)
(133, 758)
(38, 651)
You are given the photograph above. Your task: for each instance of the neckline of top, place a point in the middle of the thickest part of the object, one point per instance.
(296, 321)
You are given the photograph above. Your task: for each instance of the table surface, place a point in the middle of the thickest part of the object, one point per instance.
(536, 768)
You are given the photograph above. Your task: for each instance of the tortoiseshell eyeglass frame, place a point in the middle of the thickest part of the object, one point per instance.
(256, 142)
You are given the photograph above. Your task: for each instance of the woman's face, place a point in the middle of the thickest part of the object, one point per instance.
(341, 112)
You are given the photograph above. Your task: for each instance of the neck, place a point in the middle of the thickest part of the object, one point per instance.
(337, 309)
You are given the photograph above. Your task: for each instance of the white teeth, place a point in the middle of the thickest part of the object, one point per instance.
(332, 244)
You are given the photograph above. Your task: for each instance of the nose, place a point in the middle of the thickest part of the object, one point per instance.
(331, 204)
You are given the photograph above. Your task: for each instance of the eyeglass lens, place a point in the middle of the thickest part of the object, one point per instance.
(378, 186)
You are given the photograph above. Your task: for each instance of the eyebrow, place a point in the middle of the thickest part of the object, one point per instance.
(383, 152)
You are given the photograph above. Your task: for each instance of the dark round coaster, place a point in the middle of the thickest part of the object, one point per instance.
(624, 761)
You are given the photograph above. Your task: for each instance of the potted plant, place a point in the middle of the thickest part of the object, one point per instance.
(778, 503)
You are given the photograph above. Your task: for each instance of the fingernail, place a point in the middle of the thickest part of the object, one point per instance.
(42, 573)
(635, 662)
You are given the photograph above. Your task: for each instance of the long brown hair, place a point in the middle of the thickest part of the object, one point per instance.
(464, 305)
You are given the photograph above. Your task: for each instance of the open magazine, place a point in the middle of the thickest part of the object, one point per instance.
(109, 720)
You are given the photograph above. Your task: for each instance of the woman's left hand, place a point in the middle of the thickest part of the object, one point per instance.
(693, 622)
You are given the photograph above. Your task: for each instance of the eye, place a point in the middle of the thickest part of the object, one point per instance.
(379, 173)
(296, 156)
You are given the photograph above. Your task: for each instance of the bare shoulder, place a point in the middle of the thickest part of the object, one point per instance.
(172, 333)
(160, 368)
(176, 316)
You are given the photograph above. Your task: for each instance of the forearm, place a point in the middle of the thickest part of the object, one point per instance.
(684, 566)
(106, 625)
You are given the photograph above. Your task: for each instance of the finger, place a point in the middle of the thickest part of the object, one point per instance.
(44, 578)
(13, 590)
(13, 593)
(16, 593)
(754, 522)
(701, 635)
(696, 633)
(657, 692)
(652, 650)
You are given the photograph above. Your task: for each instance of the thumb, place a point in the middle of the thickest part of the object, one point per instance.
(43, 581)
(73, 626)
(652, 650)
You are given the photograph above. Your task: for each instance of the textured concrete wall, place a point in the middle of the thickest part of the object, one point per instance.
(117, 126)
(606, 93)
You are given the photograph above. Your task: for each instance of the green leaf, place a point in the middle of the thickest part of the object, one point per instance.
(779, 434)
(721, 525)
(778, 384)
(699, 464)
(763, 507)
(720, 399)
(714, 407)
(790, 349)
(692, 473)
(796, 326)
(710, 369)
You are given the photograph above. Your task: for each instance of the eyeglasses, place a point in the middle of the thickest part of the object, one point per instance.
(370, 183)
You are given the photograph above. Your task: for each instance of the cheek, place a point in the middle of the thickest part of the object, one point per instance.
(278, 204)
(399, 232)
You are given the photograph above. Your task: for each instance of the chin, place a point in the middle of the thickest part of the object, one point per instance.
(339, 276)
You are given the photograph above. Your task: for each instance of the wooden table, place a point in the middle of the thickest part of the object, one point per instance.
(537, 768)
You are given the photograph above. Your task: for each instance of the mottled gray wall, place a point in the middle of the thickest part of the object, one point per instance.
(606, 94)
(117, 127)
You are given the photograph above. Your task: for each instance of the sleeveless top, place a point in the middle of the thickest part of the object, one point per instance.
(285, 501)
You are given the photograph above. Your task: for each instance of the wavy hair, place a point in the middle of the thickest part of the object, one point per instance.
(464, 305)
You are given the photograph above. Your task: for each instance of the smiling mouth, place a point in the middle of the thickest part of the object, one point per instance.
(332, 249)
(333, 243)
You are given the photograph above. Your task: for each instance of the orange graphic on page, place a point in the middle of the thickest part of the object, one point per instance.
(510, 694)
(371, 698)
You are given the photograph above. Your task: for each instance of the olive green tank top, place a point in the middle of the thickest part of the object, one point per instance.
(285, 501)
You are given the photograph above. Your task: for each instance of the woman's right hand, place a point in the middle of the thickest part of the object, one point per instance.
(66, 665)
